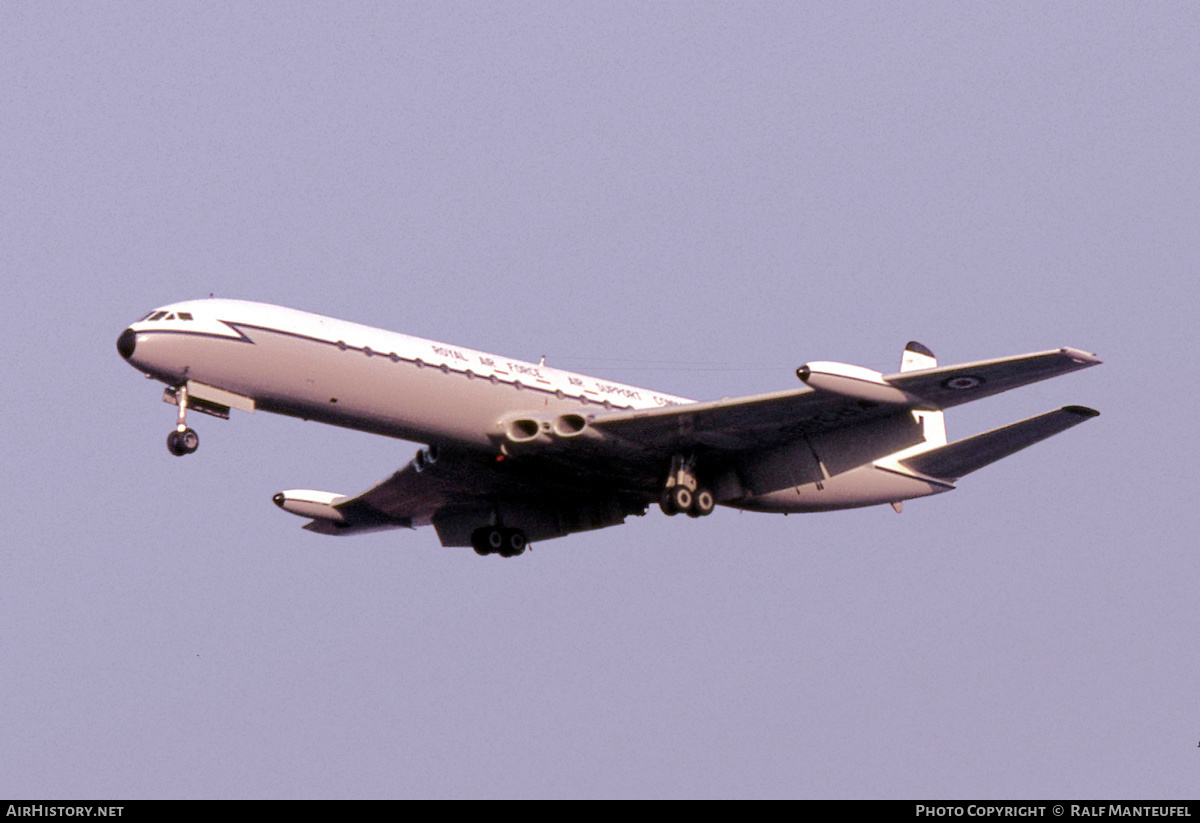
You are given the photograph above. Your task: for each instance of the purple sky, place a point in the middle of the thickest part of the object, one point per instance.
(692, 197)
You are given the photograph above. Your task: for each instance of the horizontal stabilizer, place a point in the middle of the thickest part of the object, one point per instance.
(957, 459)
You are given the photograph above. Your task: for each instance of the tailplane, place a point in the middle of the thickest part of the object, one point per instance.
(950, 462)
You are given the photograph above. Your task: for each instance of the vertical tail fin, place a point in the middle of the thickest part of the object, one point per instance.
(917, 357)
(933, 424)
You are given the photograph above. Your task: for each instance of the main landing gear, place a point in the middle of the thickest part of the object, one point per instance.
(183, 440)
(498, 540)
(683, 492)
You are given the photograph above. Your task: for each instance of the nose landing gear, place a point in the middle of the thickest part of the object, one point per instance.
(183, 440)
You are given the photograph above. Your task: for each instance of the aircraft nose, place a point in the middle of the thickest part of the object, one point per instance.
(126, 343)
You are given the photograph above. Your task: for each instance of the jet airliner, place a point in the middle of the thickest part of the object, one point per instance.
(517, 451)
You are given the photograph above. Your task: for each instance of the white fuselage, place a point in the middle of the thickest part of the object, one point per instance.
(348, 374)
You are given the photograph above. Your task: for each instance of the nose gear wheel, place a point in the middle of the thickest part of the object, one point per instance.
(183, 440)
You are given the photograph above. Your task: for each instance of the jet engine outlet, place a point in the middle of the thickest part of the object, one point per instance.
(525, 429)
(570, 425)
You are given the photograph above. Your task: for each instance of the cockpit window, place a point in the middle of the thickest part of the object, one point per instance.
(158, 315)
(185, 315)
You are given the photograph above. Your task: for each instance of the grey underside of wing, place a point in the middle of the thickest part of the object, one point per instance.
(960, 458)
(407, 499)
(410, 497)
(391, 504)
(413, 497)
(955, 385)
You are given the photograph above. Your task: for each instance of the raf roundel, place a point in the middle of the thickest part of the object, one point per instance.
(964, 381)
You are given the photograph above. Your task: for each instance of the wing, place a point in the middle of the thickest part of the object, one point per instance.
(459, 491)
(955, 385)
(738, 424)
(846, 396)
(409, 498)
